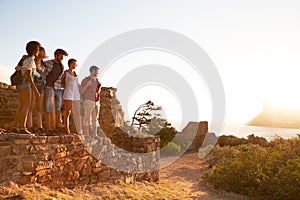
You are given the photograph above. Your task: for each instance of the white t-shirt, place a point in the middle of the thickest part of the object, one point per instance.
(71, 91)
(29, 64)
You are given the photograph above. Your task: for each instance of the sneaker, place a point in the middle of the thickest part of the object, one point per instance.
(60, 125)
(40, 131)
(68, 132)
(14, 130)
(56, 131)
(31, 129)
(50, 133)
(25, 131)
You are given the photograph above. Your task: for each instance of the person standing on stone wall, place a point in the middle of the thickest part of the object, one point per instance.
(90, 92)
(53, 91)
(27, 65)
(71, 97)
(37, 102)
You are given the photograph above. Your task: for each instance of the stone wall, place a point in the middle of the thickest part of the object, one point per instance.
(111, 120)
(65, 160)
(68, 160)
(8, 105)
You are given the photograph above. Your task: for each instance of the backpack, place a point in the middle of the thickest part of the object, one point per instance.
(17, 78)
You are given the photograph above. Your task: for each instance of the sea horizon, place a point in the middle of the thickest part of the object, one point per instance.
(269, 133)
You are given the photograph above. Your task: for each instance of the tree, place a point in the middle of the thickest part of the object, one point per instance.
(157, 124)
(147, 118)
(144, 114)
(166, 134)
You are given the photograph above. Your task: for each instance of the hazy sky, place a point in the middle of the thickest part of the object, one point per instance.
(255, 45)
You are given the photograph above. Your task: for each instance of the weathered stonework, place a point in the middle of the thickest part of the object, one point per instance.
(67, 160)
(8, 105)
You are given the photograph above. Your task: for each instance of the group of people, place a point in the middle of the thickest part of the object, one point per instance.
(47, 86)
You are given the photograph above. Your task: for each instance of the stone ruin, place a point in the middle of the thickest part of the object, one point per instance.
(66, 160)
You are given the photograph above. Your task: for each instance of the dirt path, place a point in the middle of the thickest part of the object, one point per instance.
(185, 175)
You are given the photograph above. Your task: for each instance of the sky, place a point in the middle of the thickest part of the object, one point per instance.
(255, 45)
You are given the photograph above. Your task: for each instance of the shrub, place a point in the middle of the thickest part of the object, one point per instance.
(166, 135)
(172, 149)
(230, 140)
(271, 172)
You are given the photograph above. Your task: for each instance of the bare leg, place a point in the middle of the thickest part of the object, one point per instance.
(68, 107)
(17, 115)
(53, 120)
(26, 99)
(48, 121)
(30, 120)
(39, 111)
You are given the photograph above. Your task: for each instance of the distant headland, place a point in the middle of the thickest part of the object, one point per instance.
(277, 117)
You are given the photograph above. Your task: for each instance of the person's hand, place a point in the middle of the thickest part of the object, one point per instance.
(88, 83)
(37, 94)
(17, 68)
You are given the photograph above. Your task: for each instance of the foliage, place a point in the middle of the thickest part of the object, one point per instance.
(157, 124)
(166, 135)
(144, 114)
(231, 140)
(268, 172)
(171, 149)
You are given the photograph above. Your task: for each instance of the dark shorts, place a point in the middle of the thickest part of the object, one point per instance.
(41, 88)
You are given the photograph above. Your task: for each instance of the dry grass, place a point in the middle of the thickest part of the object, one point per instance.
(117, 190)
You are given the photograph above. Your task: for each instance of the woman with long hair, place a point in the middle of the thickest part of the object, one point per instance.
(37, 102)
(25, 88)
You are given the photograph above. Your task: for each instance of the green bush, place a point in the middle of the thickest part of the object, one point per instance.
(171, 149)
(166, 135)
(230, 140)
(266, 172)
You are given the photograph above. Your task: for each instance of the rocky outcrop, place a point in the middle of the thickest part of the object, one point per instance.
(196, 134)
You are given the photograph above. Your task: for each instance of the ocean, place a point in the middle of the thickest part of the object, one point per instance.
(267, 132)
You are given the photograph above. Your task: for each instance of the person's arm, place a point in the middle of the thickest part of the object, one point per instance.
(98, 87)
(63, 79)
(84, 86)
(20, 63)
(49, 66)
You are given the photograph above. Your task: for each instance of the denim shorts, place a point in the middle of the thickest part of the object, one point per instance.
(41, 88)
(49, 104)
(26, 84)
(58, 100)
